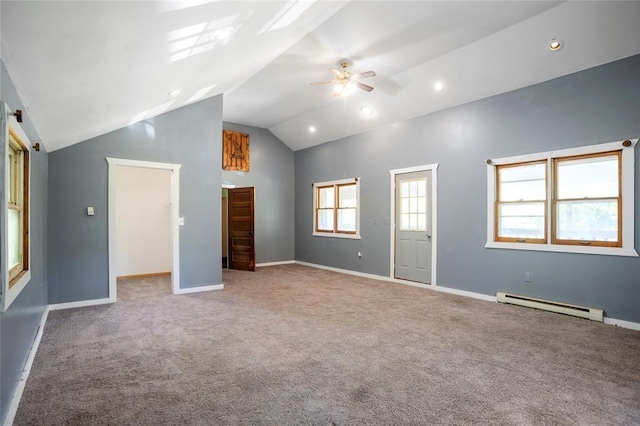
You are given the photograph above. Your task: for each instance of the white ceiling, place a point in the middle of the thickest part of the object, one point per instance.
(86, 68)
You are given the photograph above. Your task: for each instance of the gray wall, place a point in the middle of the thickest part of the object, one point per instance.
(78, 244)
(272, 175)
(594, 106)
(19, 324)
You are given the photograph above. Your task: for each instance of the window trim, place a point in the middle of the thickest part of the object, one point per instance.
(12, 289)
(627, 183)
(335, 233)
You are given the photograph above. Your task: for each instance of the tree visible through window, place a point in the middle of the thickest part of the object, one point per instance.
(577, 197)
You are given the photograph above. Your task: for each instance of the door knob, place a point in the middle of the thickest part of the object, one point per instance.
(429, 236)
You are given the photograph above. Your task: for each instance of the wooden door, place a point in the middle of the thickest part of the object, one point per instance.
(242, 252)
(413, 226)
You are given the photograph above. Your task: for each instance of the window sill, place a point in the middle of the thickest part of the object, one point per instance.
(15, 290)
(346, 236)
(607, 251)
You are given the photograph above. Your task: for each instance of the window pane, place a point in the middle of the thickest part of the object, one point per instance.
(413, 221)
(422, 222)
(9, 188)
(13, 234)
(327, 197)
(522, 183)
(404, 189)
(347, 220)
(422, 204)
(524, 220)
(588, 220)
(413, 205)
(589, 177)
(404, 221)
(325, 220)
(413, 188)
(404, 205)
(347, 196)
(422, 188)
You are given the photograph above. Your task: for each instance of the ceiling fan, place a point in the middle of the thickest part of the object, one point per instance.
(345, 80)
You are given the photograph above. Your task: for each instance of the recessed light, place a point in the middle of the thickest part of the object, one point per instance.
(438, 86)
(555, 44)
(312, 129)
(175, 92)
(366, 110)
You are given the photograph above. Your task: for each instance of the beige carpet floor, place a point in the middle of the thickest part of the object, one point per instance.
(141, 288)
(294, 345)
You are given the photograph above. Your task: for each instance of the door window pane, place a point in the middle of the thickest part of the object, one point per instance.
(413, 205)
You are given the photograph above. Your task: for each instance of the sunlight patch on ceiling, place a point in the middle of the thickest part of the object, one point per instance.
(200, 94)
(287, 15)
(199, 38)
(151, 112)
(170, 6)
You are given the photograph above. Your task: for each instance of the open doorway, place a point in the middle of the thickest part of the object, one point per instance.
(143, 228)
(238, 233)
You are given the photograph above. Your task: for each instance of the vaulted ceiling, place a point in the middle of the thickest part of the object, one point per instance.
(86, 68)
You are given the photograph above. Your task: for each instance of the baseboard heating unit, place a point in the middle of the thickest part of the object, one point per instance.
(547, 305)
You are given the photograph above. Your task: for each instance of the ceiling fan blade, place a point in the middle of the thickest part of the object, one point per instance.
(337, 73)
(363, 75)
(317, 83)
(364, 86)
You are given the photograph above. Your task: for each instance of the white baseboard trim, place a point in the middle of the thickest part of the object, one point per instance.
(79, 304)
(622, 323)
(199, 289)
(610, 321)
(471, 294)
(17, 395)
(284, 262)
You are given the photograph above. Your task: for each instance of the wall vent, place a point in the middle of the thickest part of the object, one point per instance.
(547, 305)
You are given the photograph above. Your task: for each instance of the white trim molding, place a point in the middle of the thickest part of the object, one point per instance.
(199, 289)
(434, 221)
(17, 395)
(284, 262)
(175, 213)
(486, 297)
(628, 176)
(79, 304)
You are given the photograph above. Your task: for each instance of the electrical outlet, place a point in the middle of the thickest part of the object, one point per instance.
(527, 277)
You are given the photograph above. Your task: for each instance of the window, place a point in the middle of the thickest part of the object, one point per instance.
(413, 205)
(17, 213)
(17, 207)
(577, 200)
(336, 208)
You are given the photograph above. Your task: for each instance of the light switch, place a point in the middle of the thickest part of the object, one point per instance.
(90, 211)
(181, 221)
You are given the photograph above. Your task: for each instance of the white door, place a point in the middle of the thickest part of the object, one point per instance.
(413, 226)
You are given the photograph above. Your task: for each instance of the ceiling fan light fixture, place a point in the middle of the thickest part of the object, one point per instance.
(312, 129)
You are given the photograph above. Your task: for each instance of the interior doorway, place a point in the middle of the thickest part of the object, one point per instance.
(414, 219)
(119, 223)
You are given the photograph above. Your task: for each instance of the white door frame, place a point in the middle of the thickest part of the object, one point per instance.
(434, 221)
(175, 211)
